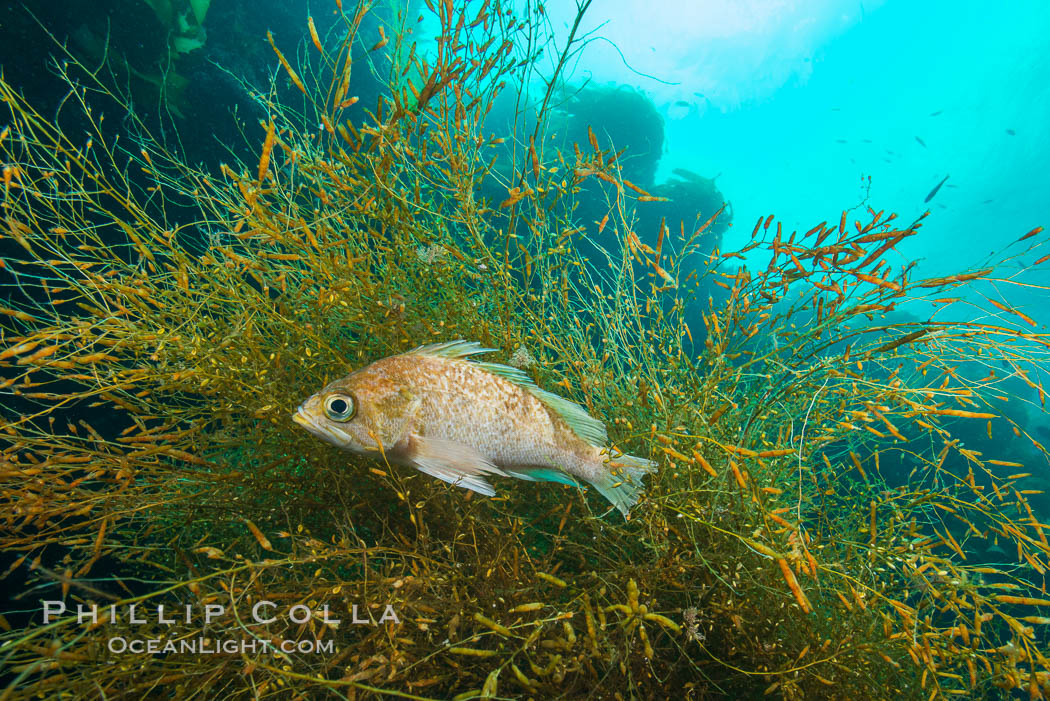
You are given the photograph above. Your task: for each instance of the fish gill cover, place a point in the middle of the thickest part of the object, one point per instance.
(816, 527)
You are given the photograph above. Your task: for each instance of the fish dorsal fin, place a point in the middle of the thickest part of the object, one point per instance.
(575, 416)
(451, 349)
(510, 374)
(582, 424)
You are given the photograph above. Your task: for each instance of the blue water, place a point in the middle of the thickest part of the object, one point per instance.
(783, 82)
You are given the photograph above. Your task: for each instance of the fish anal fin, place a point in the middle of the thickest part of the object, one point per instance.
(535, 473)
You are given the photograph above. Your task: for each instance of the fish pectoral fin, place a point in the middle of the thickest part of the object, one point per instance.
(455, 463)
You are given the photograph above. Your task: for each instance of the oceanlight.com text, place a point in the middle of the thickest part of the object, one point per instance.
(207, 646)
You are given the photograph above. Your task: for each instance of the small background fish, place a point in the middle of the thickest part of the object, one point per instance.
(460, 421)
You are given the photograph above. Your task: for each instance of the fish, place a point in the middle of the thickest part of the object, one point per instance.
(935, 189)
(1011, 132)
(934, 114)
(681, 103)
(459, 420)
(921, 142)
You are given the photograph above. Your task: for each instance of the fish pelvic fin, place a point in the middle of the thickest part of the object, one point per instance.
(455, 463)
(621, 481)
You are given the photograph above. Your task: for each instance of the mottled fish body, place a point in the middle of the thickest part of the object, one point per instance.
(460, 421)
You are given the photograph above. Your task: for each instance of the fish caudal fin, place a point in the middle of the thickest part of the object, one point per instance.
(452, 462)
(621, 481)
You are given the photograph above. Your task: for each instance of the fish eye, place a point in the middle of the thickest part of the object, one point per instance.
(339, 407)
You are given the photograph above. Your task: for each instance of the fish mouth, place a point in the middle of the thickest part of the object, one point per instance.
(320, 429)
(299, 417)
(302, 418)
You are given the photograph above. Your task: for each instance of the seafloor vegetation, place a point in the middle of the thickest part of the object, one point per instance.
(823, 523)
